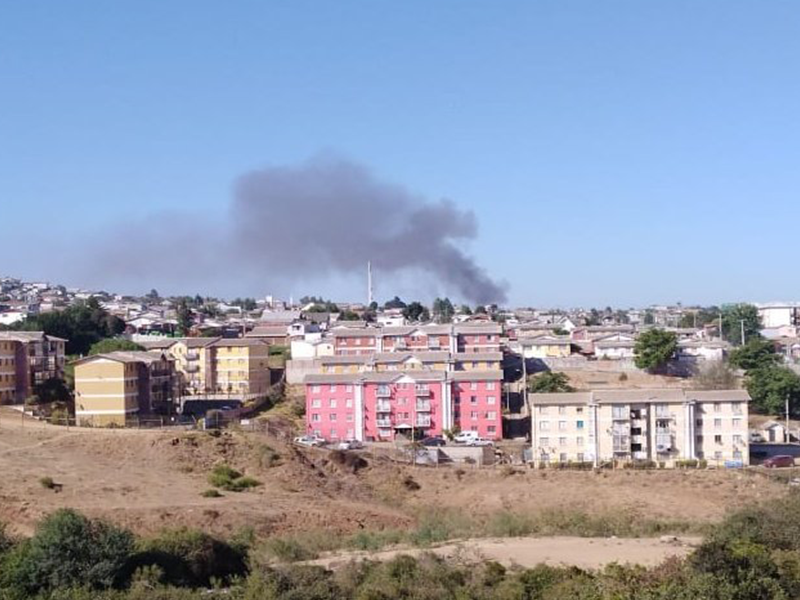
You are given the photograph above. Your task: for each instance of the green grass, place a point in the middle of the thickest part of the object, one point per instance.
(229, 479)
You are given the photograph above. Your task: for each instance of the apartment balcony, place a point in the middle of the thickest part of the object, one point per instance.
(384, 407)
(192, 355)
(422, 391)
(383, 422)
(192, 368)
(423, 421)
(383, 392)
(663, 431)
(423, 406)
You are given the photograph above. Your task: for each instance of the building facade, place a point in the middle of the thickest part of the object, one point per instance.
(119, 388)
(382, 406)
(37, 358)
(640, 425)
(241, 365)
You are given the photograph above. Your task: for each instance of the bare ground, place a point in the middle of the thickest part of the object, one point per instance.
(148, 480)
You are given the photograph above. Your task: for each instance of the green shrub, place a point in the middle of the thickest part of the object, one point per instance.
(227, 478)
(212, 493)
(47, 482)
(68, 550)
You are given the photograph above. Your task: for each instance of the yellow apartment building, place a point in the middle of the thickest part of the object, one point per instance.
(546, 346)
(647, 425)
(8, 371)
(241, 365)
(195, 361)
(118, 388)
(478, 361)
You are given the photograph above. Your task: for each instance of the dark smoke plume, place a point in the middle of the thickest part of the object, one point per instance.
(326, 215)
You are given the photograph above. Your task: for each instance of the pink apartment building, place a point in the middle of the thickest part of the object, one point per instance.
(380, 406)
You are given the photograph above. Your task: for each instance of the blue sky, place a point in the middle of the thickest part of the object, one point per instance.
(615, 152)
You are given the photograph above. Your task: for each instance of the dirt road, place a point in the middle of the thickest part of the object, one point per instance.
(586, 553)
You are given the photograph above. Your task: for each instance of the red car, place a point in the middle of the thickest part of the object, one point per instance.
(781, 460)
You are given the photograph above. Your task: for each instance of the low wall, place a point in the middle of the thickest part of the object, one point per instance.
(298, 368)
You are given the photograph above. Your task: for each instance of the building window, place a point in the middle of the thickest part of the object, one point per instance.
(717, 407)
(473, 415)
(544, 425)
(699, 422)
(351, 434)
(315, 389)
(580, 424)
(737, 455)
(562, 425)
(315, 418)
(333, 417)
(662, 410)
(717, 423)
(579, 410)
(316, 403)
(579, 441)
(580, 457)
(717, 455)
(348, 403)
(473, 385)
(491, 429)
(736, 407)
(542, 410)
(737, 440)
(332, 388)
(543, 442)
(491, 415)
(349, 417)
(491, 400)
(562, 457)
(490, 385)
(562, 441)
(473, 399)
(332, 403)
(562, 410)
(737, 423)
(718, 439)
(317, 432)
(619, 412)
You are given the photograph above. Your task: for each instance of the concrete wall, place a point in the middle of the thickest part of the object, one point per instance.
(297, 369)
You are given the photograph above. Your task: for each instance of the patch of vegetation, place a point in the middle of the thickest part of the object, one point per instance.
(231, 480)
(47, 483)
(212, 493)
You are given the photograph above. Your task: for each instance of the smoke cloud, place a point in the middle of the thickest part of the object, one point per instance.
(325, 215)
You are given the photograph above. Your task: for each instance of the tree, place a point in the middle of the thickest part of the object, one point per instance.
(738, 316)
(68, 551)
(654, 349)
(113, 345)
(81, 324)
(394, 303)
(649, 317)
(51, 390)
(755, 354)
(152, 295)
(416, 312)
(185, 318)
(770, 386)
(443, 310)
(465, 309)
(349, 315)
(549, 382)
(480, 310)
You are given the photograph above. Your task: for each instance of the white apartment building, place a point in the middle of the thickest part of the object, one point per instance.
(648, 425)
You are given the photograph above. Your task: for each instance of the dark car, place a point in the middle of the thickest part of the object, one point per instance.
(780, 460)
(433, 441)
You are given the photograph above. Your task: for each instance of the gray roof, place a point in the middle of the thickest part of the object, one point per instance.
(473, 356)
(267, 331)
(372, 377)
(29, 336)
(662, 396)
(126, 356)
(494, 374)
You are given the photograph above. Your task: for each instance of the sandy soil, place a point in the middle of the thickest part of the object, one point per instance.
(148, 480)
(586, 553)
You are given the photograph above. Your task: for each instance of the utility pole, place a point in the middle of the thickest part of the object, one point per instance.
(369, 282)
(788, 435)
(741, 322)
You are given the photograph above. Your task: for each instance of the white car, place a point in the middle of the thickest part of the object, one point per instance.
(480, 442)
(350, 445)
(309, 440)
(465, 437)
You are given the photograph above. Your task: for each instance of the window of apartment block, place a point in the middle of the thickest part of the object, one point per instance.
(473, 415)
(580, 457)
(348, 403)
(491, 400)
(579, 441)
(348, 388)
(717, 423)
(717, 407)
(562, 425)
(332, 387)
(315, 418)
(737, 455)
(544, 425)
(737, 439)
(542, 410)
(579, 410)
(333, 416)
(662, 410)
(473, 399)
(736, 407)
(349, 417)
(491, 429)
(619, 412)
(351, 433)
(491, 385)
(317, 432)
(717, 439)
(473, 385)
(316, 403)
(736, 423)
(562, 441)
(699, 422)
(315, 389)
(491, 415)
(543, 442)
(332, 403)
(717, 455)
(579, 424)
(334, 434)
(562, 457)
(562, 410)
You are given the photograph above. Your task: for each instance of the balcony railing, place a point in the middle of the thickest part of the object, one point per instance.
(424, 406)
(192, 355)
(192, 368)
(384, 407)
(384, 422)
(383, 392)
(422, 391)
(423, 421)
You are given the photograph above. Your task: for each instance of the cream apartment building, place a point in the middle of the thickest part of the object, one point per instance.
(118, 388)
(628, 425)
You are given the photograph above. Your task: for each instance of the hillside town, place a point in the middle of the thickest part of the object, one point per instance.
(400, 372)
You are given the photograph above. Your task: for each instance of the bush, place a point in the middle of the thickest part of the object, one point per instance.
(47, 482)
(227, 478)
(269, 457)
(191, 558)
(212, 493)
(68, 550)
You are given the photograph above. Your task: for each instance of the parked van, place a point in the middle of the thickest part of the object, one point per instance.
(465, 437)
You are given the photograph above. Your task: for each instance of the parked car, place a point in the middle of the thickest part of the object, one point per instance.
(433, 441)
(779, 460)
(480, 442)
(350, 445)
(309, 440)
(465, 437)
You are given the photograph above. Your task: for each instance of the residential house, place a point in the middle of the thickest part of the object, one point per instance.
(614, 347)
(545, 346)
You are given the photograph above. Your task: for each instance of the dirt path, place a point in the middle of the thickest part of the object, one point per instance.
(586, 553)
